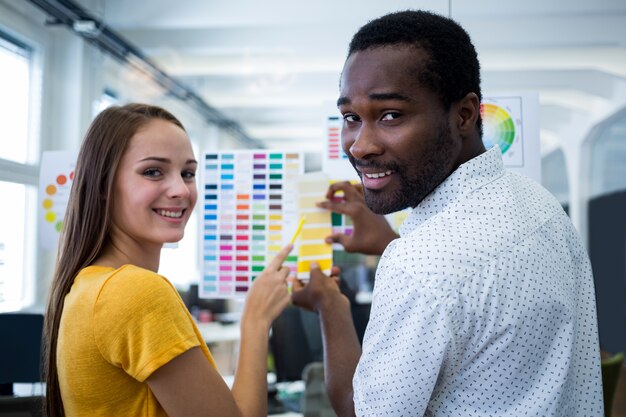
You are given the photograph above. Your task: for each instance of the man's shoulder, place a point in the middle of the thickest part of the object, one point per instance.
(480, 227)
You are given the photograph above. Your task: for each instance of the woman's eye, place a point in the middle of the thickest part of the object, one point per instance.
(350, 118)
(152, 172)
(390, 116)
(188, 175)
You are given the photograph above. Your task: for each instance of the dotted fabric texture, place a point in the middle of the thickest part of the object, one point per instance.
(484, 307)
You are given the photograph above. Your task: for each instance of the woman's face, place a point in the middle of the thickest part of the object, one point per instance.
(154, 190)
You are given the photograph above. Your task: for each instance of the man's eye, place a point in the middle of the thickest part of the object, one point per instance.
(390, 116)
(350, 118)
(152, 172)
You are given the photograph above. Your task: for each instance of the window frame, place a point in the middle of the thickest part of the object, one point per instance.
(27, 173)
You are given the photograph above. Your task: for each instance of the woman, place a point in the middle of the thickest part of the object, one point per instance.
(119, 339)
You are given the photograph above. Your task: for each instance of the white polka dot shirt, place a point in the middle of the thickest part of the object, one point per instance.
(484, 307)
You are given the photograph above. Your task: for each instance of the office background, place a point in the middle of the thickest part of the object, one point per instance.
(243, 74)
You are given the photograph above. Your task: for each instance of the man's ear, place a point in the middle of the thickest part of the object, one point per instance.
(467, 113)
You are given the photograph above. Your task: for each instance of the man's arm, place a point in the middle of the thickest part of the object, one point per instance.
(342, 349)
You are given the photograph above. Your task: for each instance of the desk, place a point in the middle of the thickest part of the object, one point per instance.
(216, 332)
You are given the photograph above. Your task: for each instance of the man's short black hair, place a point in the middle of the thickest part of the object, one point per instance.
(453, 70)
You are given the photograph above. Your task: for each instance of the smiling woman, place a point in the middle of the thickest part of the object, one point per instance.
(112, 321)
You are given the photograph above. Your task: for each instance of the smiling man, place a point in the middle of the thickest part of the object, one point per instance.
(484, 306)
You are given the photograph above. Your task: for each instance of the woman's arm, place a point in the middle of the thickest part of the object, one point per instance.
(266, 299)
(189, 386)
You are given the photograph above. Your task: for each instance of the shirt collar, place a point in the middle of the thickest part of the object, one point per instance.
(467, 178)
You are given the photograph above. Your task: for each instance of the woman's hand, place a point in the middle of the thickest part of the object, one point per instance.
(268, 295)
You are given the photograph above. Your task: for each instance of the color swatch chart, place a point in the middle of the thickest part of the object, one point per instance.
(317, 225)
(249, 211)
(333, 133)
(56, 176)
(335, 163)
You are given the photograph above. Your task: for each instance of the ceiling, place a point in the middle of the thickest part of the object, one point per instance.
(274, 66)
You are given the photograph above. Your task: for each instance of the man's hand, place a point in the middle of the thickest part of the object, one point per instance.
(320, 292)
(371, 233)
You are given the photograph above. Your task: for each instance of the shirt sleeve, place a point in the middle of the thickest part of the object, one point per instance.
(406, 345)
(140, 322)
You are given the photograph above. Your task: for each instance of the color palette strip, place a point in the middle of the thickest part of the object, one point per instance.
(333, 135)
(311, 245)
(248, 206)
(340, 223)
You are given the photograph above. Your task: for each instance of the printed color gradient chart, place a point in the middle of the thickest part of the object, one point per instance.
(249, 209)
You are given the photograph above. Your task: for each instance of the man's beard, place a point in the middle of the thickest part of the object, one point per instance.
(416, 182)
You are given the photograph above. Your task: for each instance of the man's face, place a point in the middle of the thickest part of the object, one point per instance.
(396, 133)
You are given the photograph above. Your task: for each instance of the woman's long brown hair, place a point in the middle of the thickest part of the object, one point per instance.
(88, 218)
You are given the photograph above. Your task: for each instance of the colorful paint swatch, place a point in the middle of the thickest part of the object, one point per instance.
(340, 224)
(248, 209)
(317, 225)
(333, 138)
(335, 162)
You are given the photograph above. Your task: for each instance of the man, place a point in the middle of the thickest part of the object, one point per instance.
(485, 304)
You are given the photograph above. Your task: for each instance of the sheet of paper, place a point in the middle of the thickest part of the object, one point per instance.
(249, 213)
(56, 175)
(511, 121)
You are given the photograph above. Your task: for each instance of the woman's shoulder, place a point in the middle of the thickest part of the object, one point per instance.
(133, 281)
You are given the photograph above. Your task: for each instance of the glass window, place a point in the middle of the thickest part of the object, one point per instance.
(107, 99)
(17, 220)
(15, 87)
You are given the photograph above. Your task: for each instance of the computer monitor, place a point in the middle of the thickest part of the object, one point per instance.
(20, 349)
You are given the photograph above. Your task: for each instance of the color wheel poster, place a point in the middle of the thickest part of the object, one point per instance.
(250, 211)
(55, 182)
(512, 123)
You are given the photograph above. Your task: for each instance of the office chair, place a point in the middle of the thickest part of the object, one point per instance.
(611, 368)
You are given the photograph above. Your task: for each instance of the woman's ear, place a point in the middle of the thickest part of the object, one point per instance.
(467, 113)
